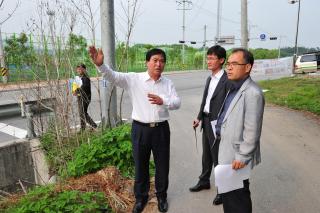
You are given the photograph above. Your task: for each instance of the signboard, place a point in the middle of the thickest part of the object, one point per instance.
(281, 66)
(263, 37)
(225, 40)
(4, 71)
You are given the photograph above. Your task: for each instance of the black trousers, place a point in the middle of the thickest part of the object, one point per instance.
(210, 149)
(237, 201)
(146, 139)
(83, 105)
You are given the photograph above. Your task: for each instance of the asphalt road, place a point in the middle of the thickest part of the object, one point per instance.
(287, 180)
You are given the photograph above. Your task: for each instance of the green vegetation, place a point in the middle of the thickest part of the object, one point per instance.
(47, 199)
(79, 155)
(111, 148)
(301, 93)
(86, 153)
(30, 58)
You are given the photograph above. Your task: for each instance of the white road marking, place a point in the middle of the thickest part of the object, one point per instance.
(13, 131)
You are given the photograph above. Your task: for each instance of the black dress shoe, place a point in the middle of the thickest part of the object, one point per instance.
(217, 200)
(162, 205)
(139, 206)
(199, 187)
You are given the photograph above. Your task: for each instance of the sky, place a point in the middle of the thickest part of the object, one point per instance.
(160, 21)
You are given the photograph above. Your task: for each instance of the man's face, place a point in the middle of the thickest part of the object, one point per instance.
(237, 68)
(80, 70)
(156, 65)
(214, 63)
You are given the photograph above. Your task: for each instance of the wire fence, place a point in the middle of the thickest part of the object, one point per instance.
(64, 53)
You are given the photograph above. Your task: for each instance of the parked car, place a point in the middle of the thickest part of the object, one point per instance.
(309, 62)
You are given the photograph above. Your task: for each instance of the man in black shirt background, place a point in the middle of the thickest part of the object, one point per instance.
(84, 97)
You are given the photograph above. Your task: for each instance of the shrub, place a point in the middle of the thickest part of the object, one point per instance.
(111, 148)
(48, 199)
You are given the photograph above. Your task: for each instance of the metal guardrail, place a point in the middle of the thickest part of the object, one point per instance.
(18, 109)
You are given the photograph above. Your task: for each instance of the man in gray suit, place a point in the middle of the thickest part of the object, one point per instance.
(239, 127)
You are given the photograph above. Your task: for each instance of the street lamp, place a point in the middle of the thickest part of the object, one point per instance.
(297, 31)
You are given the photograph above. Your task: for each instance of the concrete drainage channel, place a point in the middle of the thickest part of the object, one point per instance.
(22, 162)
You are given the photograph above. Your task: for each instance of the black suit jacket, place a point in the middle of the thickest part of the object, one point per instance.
(217, 97)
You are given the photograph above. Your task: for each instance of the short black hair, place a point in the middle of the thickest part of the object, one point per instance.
(217, 50)
(247, 55)
(82, 66)
(155, 51)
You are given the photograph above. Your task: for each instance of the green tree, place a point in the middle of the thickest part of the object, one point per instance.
(19, 51)
(77, 50)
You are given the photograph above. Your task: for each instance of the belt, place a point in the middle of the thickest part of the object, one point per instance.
(206, 114)
(153, 124)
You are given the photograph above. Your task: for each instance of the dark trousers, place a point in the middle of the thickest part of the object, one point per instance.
(146, 139)
(210, 150)
(83, 105)
(237, 201)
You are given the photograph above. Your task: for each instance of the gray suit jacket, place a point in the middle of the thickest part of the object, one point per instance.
(241, 127)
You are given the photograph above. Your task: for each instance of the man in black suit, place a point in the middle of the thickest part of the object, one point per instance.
(84, 97)
(214, 94)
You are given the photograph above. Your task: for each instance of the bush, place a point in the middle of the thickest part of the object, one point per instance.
(48, 199)
(57, 155)
(86, 153)
(111, 148)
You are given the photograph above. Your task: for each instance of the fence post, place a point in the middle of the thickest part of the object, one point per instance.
(30, 125)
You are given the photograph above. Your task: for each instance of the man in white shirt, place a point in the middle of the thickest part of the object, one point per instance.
(213, 96)
(152, 95)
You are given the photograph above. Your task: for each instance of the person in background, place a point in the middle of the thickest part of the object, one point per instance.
(84, 97)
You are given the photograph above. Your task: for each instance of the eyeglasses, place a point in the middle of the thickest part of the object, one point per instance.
(232, 64)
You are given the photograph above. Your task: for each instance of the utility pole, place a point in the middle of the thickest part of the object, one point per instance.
(297, 32)
(218, 21)
(244, 23)
(204, 47)
(109, 94)
(186, 5)
(279, 47)
(295, 52)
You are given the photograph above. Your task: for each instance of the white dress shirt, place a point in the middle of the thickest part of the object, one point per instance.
(138, 86)
(212, 87)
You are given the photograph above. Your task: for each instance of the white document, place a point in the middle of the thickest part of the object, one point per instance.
(228, 179)
(78, 81)
(213, 125)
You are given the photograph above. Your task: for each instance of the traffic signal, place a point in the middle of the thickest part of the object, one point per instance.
(273, 38)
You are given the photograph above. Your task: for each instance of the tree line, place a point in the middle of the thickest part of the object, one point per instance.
(22, 56)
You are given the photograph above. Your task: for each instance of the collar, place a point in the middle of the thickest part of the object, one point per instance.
(237, 84)
(218, 75)
(146, 77)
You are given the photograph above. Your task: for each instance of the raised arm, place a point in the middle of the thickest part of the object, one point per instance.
(119, 79)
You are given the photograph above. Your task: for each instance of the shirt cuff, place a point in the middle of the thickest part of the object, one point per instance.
(165, 100)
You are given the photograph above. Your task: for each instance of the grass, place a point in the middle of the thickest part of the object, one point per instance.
(300, 93)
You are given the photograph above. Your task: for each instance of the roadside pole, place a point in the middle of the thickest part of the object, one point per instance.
(108, 47)
(244, 23)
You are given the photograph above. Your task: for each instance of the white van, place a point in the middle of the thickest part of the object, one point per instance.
(309, 62)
